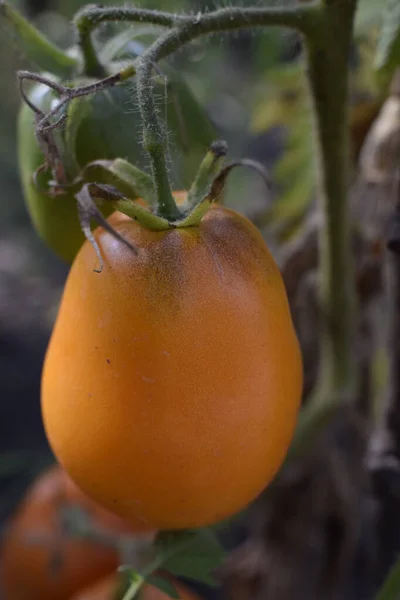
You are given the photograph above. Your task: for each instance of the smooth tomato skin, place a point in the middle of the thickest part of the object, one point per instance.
(26, 567)
(172, 381)
(107, 589)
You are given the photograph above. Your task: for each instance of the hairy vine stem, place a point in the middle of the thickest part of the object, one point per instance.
(183, 29)
(293, 15)
(188, 29)
(325, 26)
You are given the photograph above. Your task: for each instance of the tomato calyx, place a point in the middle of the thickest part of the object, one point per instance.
(132, 192)
(122, 184)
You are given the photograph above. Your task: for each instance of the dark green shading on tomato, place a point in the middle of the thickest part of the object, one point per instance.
(104, 126)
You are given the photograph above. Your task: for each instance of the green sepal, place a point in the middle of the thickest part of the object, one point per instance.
(205, 177)
(195, 216)
(131, 181)
(142, 215)
(35, 46)
(194, 554)
(141, 181)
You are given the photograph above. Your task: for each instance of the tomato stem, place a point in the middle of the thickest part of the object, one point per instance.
(184, 29)
(134, 587)
(223, 19)
(328, 83)
(92, 66)
(90, 17)
(187, 29)
(154, 137)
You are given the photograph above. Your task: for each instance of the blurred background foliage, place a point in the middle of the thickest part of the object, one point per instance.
(252, 86)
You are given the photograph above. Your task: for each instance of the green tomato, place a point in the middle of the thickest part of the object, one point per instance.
(106, 125)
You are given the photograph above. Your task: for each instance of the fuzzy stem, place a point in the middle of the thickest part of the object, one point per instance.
(328, 82)
(303, 17)
(90, 17)
(154, 137)
(297, 16)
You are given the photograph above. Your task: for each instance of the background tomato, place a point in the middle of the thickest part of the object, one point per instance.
(107, 589)
(38, 560)
(177, 370)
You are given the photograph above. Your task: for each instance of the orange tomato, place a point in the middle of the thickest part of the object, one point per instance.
(107, 589)
(54, 566)
(172, 381)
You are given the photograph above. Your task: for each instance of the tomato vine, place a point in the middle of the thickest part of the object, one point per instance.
(326, 27)
(325, 24)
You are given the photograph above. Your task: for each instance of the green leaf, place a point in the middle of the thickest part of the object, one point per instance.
(131, 181)
(391, 588)
(191, 554)
(34, 45)
(387, 57)
(164, 585)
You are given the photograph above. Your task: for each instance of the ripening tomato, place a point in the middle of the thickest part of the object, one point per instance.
(108, 588)
(106, 125)
(54, 566)
(172, 381)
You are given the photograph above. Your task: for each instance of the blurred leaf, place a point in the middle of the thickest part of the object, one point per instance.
(269, 48)
(296, 198)
(276, 112)
(191, 554)
(388, 51)
(369, 14)
(391, 588)
(294, 172)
